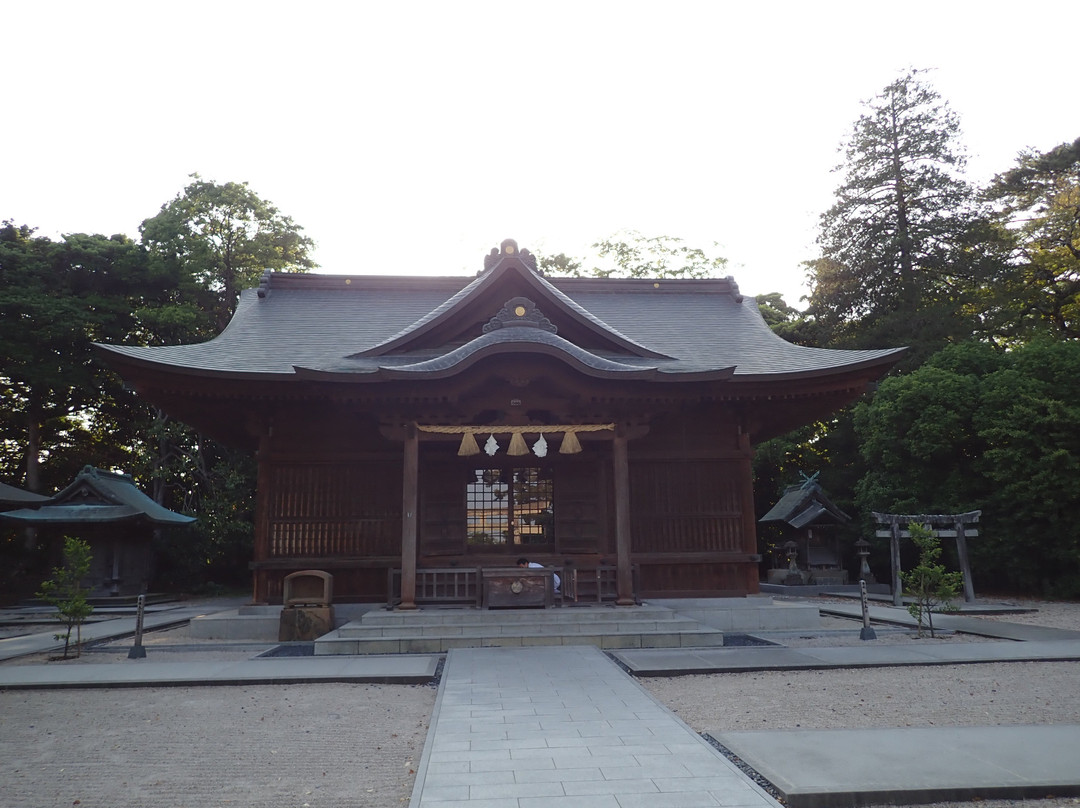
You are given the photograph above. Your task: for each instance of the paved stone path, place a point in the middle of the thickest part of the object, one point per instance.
(564, 728)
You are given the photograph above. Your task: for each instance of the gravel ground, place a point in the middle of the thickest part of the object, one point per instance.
(937, 696)
(285, 746)
(341, 745)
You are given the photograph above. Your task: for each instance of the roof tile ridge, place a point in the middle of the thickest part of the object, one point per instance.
(501, 261)
(522, 336)
(447, 305)
(572, 304)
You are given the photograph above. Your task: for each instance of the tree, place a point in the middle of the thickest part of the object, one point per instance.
(1038, 218)
(633, 255)
(1029, 421)
(216, 240)
(56, 300)
(64, 591)
(212, 241)
(980, 428)
(896, 246)
(928, 584)
(918, 439)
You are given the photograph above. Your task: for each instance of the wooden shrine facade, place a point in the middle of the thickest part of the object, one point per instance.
(414, 423)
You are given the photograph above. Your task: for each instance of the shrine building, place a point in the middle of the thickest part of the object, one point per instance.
(404, 424)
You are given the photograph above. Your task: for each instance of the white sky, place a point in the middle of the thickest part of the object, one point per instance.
(412, 137)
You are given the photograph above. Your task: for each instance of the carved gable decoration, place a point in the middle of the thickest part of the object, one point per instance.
(519, 312)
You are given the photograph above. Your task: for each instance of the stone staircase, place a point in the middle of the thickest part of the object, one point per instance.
(435, 630)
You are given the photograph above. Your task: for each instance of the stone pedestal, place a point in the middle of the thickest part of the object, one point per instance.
(304, 623)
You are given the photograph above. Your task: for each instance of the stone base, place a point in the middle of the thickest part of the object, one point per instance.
(305, 623)
(786, 577)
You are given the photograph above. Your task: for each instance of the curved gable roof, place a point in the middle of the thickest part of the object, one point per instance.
(508, 269)
(99, 496)
(379, 327)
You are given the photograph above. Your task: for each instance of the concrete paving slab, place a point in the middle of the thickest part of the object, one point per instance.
(398, 669)
(561, 727)
(670, 662)
(952, 621)
(45, 642)
(673, 661)
(848, 768)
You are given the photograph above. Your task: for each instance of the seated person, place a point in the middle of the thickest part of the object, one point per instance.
(524, 562)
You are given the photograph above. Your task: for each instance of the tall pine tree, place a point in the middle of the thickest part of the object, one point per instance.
(895, 258)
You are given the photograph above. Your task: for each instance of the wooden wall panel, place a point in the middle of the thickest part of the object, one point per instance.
(334, 509)
(692, 580)
(442, 509)
(580, 514)
(683, 507)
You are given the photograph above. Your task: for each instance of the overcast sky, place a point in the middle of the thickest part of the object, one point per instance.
(412, 137)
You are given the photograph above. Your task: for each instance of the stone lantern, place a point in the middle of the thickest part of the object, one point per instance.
(862, 547)
(794, 576)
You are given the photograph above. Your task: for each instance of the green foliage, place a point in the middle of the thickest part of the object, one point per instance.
(775, 310)
(1038, 221)
(561, 264)
(1030, 420)
(633, 255)
(195, 475)
(215, 240)
(919, 442)
(61, 409)
(928, 584)
(895, 247)
(978, 428)
(56, 300)
(64, 591)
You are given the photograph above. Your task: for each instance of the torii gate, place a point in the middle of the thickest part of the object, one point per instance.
(953, 526)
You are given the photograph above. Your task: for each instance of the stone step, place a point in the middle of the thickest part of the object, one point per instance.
(471, 615)
(686, 638)
(480, 627)
(237, 624)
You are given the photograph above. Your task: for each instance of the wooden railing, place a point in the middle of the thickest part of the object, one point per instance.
(598, 584)
(437, 585)
(462, 585)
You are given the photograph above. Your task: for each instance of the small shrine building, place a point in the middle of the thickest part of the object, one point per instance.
(114, 517)
(404, 423)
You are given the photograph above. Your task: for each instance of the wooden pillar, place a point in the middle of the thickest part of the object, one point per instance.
(624, 579)
(410, 500)
(751, 583)
(965, 564)
(263, 498)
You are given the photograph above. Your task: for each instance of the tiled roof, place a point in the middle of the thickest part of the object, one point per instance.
(10, 495)
(98, 496)
(365, 325)
(803, 504)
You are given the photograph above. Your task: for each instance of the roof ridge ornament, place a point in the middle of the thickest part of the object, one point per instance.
(735, 293)
(508, 249)
(518, 312)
